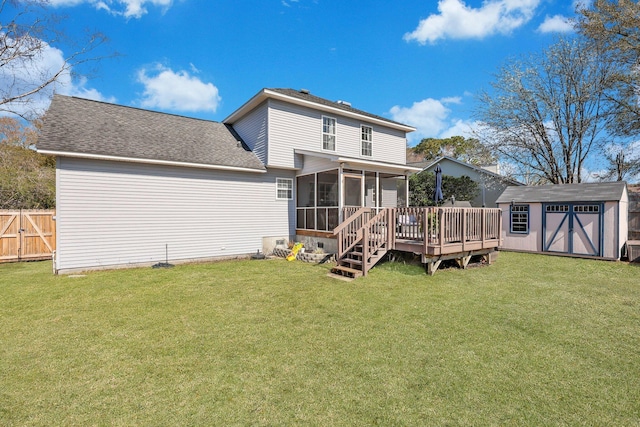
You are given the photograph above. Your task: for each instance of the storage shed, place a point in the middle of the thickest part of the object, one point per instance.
(582, 220)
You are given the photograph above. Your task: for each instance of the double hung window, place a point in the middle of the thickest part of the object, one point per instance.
(366, 141)
(328, 133)
(284, 189)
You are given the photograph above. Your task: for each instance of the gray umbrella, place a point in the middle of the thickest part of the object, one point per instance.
(437, 194)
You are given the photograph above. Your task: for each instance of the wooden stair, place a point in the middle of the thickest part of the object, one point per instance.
(363, 239)
(352, 265)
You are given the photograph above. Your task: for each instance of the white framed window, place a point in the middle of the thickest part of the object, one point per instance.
(284, 188)
(366, 133)
(328, 133)
(520, 219)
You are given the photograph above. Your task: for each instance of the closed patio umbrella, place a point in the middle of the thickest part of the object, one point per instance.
(437, 194)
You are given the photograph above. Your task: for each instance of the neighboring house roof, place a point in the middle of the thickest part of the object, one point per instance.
(433, 163)
(305, 98)
(584, 192)
(76, 127)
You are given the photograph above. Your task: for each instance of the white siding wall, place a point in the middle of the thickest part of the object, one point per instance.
(115, 213)
(294, 127)
(316, 164)
(253, 130)
(389, 145)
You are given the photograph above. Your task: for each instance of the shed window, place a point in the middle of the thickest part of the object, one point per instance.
(284, 188)
(557, 208)
(520, 219)
(587, 208)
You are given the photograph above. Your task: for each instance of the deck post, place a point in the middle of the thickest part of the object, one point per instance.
(391, 228)
(425, 231)
(483, 228)
(464, 229)
(442, 226)
(365, 250)
(432, 267)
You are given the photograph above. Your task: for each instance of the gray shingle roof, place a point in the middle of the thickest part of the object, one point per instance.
(322, 101)
(584, 192)
(81, 126)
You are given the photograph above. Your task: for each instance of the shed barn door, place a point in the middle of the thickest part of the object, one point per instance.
(574, 229)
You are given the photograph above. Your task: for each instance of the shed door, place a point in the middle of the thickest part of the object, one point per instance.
(573, 228)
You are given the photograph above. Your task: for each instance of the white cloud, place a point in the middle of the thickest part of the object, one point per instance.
(80, 90)
(431, 119)
(556, 24)
(25, 74)
(177, 91)
(126, 8)
(459, 128)
(458, 21)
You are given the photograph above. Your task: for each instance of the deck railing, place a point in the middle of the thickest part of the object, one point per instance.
(440, 226)
(350, 231)
(432, 231)
(376, 235)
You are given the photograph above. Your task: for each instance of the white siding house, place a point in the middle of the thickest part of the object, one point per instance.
(364, 164)
(136, 187)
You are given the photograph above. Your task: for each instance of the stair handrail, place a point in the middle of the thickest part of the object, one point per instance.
(369, 245)
(343, 246)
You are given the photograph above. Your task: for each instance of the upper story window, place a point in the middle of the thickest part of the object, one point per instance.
(366, 138)
(520, 219)
(284, 189)
(328, 133)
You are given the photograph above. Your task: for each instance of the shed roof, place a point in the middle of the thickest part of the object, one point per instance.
(583, 192)
(77, 127)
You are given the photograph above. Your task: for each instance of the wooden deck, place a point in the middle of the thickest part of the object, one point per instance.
(437, 234)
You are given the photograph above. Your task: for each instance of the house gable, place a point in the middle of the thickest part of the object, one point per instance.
(295, 122)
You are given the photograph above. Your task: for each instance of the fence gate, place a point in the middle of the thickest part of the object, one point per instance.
(26, 235)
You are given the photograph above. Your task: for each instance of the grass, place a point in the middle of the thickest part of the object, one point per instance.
(530, 340)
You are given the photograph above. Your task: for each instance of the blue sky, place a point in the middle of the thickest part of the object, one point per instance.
(418, 62)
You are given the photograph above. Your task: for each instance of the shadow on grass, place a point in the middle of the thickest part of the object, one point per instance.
(411, 264)
(402, 262)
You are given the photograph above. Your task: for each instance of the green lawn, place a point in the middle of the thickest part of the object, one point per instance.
(529, 340)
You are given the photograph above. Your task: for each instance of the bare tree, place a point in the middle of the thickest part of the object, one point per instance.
(546, 111)
(614, 29)
(622, 164)
(27, 39)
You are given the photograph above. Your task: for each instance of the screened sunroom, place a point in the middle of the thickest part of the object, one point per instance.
(325, 198)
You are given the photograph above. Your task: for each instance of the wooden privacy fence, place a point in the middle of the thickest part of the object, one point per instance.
(27, 235)
(634, 212)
